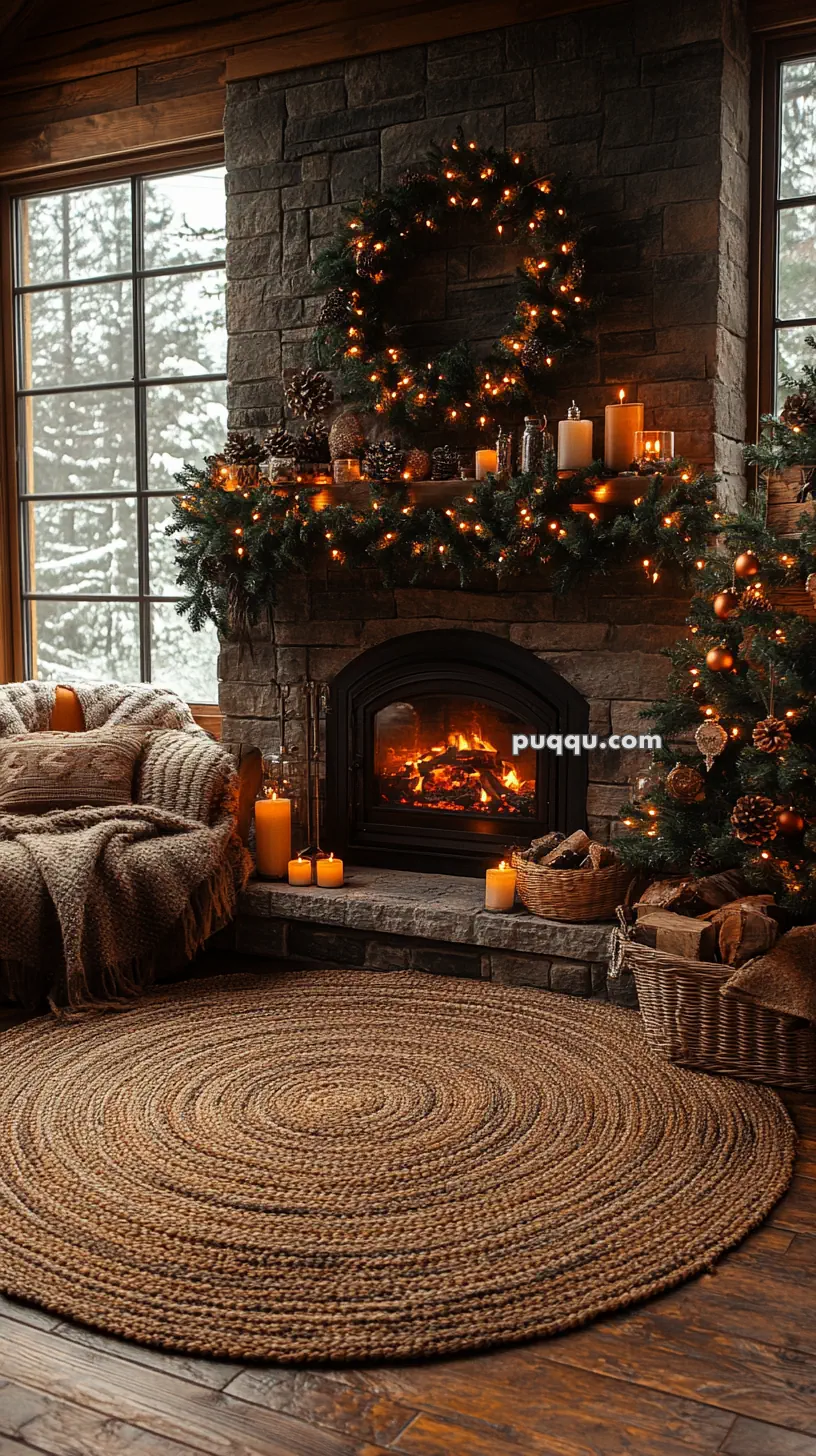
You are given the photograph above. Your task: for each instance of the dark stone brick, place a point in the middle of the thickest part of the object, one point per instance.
(257, 179)
(303, 76)
(379, 78)
(314, 168)
(476, 91)
(338, 947)
(317, 145)
(686, 110)
(565, 130)
(627, 118)
(545, 41)
(315, 98)
(295, 241)
(570, 88)
(571, 978)
(328, 125)
(253, 257)
(308, 194)
(404, 145)
(256, 302)
(253, 129)
(623, 991)
(325, 220)
(442, 961)
(686, 288)
(683, 66)
(486, 61)
(253, 214)
(254, 356)
(353, 174)
(260, 935)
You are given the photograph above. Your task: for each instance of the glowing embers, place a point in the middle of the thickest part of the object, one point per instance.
(452, 755)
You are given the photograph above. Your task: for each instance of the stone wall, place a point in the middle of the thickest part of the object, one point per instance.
(646, 106)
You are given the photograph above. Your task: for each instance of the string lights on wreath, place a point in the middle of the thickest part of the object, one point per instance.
(357, 335)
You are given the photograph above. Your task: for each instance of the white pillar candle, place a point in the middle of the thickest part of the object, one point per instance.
(330, 873)
(500, 887)
(300, 871)
(486, 461)
(621, 420)
(273, 836)
(574, 441)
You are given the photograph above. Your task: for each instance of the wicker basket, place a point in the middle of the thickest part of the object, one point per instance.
(571, 894)
(689, 1022)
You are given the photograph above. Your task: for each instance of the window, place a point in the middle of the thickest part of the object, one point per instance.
(794, 282)
(120, 341)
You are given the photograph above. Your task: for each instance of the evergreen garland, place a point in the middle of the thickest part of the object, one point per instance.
(789, 438)
(774, 675)
(356, 336)
(236, 547)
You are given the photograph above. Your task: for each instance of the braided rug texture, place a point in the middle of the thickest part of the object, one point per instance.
(343, 1165)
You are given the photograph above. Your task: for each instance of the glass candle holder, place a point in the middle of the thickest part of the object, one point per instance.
(346, 470)
(653, 448)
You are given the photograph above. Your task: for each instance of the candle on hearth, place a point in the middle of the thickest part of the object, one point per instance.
(330, 873)
(574, 441)
(486, 461)
(620, 422)
(500, 887)
(273, 836)
(300, 871)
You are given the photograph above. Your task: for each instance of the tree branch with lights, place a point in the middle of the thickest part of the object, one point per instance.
(358, 338)
(735, 782)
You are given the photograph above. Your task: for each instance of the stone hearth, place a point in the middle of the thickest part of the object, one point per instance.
(384, 920)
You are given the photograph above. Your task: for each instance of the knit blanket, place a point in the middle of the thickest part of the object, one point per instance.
(94, 900)
(26, 707)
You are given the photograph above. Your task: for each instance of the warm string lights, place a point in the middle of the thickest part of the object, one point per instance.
(390, 231)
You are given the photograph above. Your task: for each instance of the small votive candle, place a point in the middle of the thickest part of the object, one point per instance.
(300, 871)
(654, 447)
(330, 873)
(486, 462)
(621, 420)
(500, 887)
(273, 836)
(346, 471)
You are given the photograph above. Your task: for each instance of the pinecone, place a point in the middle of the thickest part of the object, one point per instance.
(383, 460)
(346, 437)
(534, 355)
(335, 311)
(754, 819)
(313, 445)
(308, 393)
(445, 463)
(772, 735)
(279, 444)
(242, 449)
(798, 410)
(701, 862)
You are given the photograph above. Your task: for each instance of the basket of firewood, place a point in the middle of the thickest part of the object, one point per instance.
(571, 878)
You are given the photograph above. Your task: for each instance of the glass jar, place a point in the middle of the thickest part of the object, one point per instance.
(532, 446)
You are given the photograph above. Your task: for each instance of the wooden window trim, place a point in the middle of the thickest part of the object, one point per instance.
(769, 54)
(166, 159)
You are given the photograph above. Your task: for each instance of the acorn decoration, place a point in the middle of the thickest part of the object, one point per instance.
(790, 823)
(754, 819)
(726, 603)
(416, 465)
(711, 739)
(719, 659)
(772, 735)
(383, 461)
(346, 437)
(685, 784)
(746, 565)
(308, 393)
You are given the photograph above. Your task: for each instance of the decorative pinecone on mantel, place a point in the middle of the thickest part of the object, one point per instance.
(279, 444)
(798, 411)
(312, 447)
(445, 463)
(383, 460)
(308, 393)
(242, 449)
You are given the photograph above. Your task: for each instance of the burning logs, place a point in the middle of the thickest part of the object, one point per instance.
(464, 774)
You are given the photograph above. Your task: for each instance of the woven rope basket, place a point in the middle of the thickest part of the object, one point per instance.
(689, 1022)
(571, 894)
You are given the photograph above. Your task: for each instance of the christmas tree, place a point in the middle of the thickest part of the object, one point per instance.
(734, 784)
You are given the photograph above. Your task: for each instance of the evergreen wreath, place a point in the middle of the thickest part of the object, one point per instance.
(389, 231)
(238, 541)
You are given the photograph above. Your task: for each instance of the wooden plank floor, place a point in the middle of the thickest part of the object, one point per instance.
(726, 1364)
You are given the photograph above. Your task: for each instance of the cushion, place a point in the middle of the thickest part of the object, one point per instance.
(43, 771)
(66, 715)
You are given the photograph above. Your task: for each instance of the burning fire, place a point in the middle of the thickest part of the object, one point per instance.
(466, 774)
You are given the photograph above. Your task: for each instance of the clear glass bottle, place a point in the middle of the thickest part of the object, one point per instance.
(532, 446)
(504, 453)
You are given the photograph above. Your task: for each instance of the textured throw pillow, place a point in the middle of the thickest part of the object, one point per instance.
(44, 771)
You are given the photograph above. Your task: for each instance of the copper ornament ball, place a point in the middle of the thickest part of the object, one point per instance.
(719, 659)
(790, 823)
(726, 603)
(747, 564)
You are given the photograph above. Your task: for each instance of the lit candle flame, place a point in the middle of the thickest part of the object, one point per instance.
(503, 865)
(621, 395)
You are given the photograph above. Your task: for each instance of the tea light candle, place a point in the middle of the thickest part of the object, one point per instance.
(574, 441)
(345, 471)
(621, 420)
(330, 873)
(486, 462)
(500, 887)
(273, 836)
(654, 447)
(300, 871)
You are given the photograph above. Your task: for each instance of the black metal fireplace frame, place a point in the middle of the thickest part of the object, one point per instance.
(455, 661)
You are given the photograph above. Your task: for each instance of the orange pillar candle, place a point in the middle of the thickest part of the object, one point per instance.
(273, 836)
(500, 887)
(330, 873)
(300, 871)
(620, 422)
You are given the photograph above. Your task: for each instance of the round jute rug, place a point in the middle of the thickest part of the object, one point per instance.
(344, 1165)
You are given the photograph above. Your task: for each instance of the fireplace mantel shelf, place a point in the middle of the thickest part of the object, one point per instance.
(434, 907)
